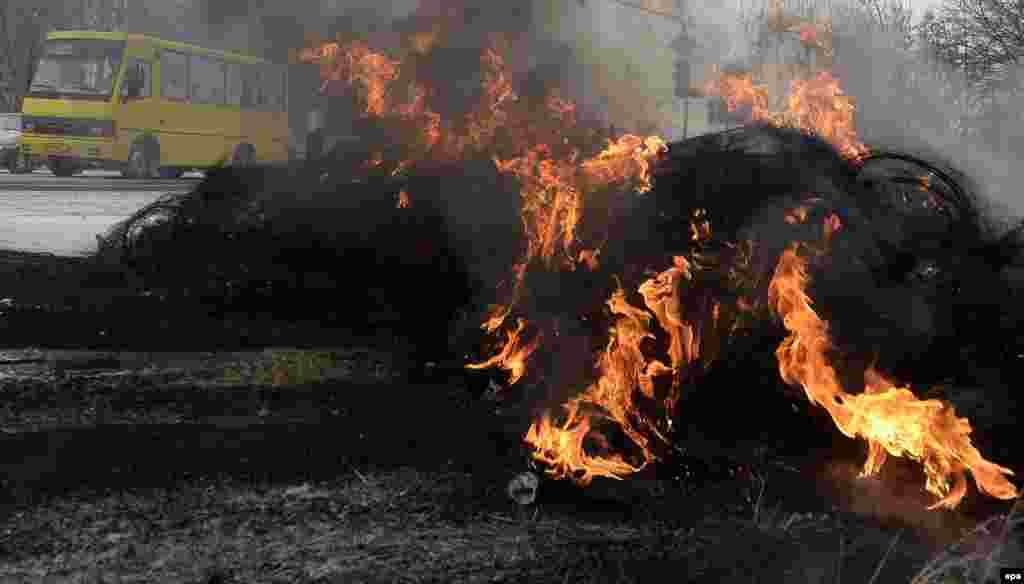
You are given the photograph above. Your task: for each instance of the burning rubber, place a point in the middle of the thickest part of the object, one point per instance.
(640, 261)
(664, 328)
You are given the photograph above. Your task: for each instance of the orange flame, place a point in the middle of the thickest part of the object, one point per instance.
(632, 390)
(551, 200)
(562, 449)
(623, 367)
(403, 200)
(890, 418)
(552, 191)
(355, 63)
(817, 106)
(739, 90)
(513, 354)
(630, 382)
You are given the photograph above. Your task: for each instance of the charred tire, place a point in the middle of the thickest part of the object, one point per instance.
(143, 160)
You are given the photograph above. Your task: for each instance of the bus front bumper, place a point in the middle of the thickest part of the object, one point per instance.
(84, 152)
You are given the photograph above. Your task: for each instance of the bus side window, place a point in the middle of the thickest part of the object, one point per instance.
(234, 89)
(269, 91)
(274, 79)
(256, 92)
(208, 80)
(250, 85)
(174, 76)
(137, 82)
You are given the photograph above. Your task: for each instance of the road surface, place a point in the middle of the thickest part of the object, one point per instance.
(43, 213)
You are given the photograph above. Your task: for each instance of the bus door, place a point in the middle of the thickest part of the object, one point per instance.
(136, 111)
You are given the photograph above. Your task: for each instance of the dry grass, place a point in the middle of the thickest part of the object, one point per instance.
(974, 559)
(283, 367)
(438, 525)
(978, 556)
(37, 396)
(400, 526)
(413, 526)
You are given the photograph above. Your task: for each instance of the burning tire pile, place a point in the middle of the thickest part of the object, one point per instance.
(642, 261)
(622, 291)
(628, 272)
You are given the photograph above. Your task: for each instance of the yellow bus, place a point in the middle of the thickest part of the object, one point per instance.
(151, 108)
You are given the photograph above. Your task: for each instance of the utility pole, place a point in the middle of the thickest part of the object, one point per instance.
(686, 117)
(682, 91)
(684, 47)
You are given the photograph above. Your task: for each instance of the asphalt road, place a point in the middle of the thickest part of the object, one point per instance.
(43, 213)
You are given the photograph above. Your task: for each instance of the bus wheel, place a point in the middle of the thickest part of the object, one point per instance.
(22, 165)
(245, 155)
(141, 164)
(12, 163)
(62, 168)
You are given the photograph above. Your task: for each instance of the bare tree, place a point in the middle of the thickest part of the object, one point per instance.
(101, 15)
(982, 38)
(23, 23)
(983, 41)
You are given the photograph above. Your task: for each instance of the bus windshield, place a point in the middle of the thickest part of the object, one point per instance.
(77, 69)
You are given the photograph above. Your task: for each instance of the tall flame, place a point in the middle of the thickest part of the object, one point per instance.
(355, 63)
(890, 418)
(664, 332)
(623, 367)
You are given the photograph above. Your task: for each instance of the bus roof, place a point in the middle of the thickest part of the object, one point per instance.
(162, 43)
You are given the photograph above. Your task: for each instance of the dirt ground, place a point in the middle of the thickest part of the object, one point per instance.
(291, 466)
(255, 465)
